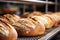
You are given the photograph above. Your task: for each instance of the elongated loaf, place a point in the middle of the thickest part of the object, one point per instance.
(28, 27)
(45, 20)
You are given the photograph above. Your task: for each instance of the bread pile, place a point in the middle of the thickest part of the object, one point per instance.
(33, 25)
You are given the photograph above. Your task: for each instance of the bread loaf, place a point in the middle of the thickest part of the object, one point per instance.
(11, 18)
(28, 27)
(7, 32)
(52, 19)
(5, 19)
(45, 20)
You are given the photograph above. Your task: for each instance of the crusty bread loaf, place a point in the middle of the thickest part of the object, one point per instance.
(58, 13)
(28, 27)
(50, 23)
(11, 18)
(45, 20)
(51, 18)
(5, 19)
(56, 17)
(7, 32)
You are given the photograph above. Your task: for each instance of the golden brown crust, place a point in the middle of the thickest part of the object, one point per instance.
(58, 14)
(27, 25)
(12, 18)
(7, 32)
(57, 18)
(24, 27)
(40, 28)
(45, 20)
(16, 17)
(5, 19)
(51, 18)
(50, 23)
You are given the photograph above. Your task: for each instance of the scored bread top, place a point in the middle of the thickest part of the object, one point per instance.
(4, 29)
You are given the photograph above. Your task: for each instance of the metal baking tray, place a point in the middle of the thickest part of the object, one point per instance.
(55, 37)
(48, 34)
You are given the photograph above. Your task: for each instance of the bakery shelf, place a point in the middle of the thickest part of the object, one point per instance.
(43, 2)
(30, 2)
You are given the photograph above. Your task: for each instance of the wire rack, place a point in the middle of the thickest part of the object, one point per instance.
(48, 33)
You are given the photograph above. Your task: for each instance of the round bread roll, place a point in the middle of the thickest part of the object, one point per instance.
(7, 32)
(28, 27)
(45, 20)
